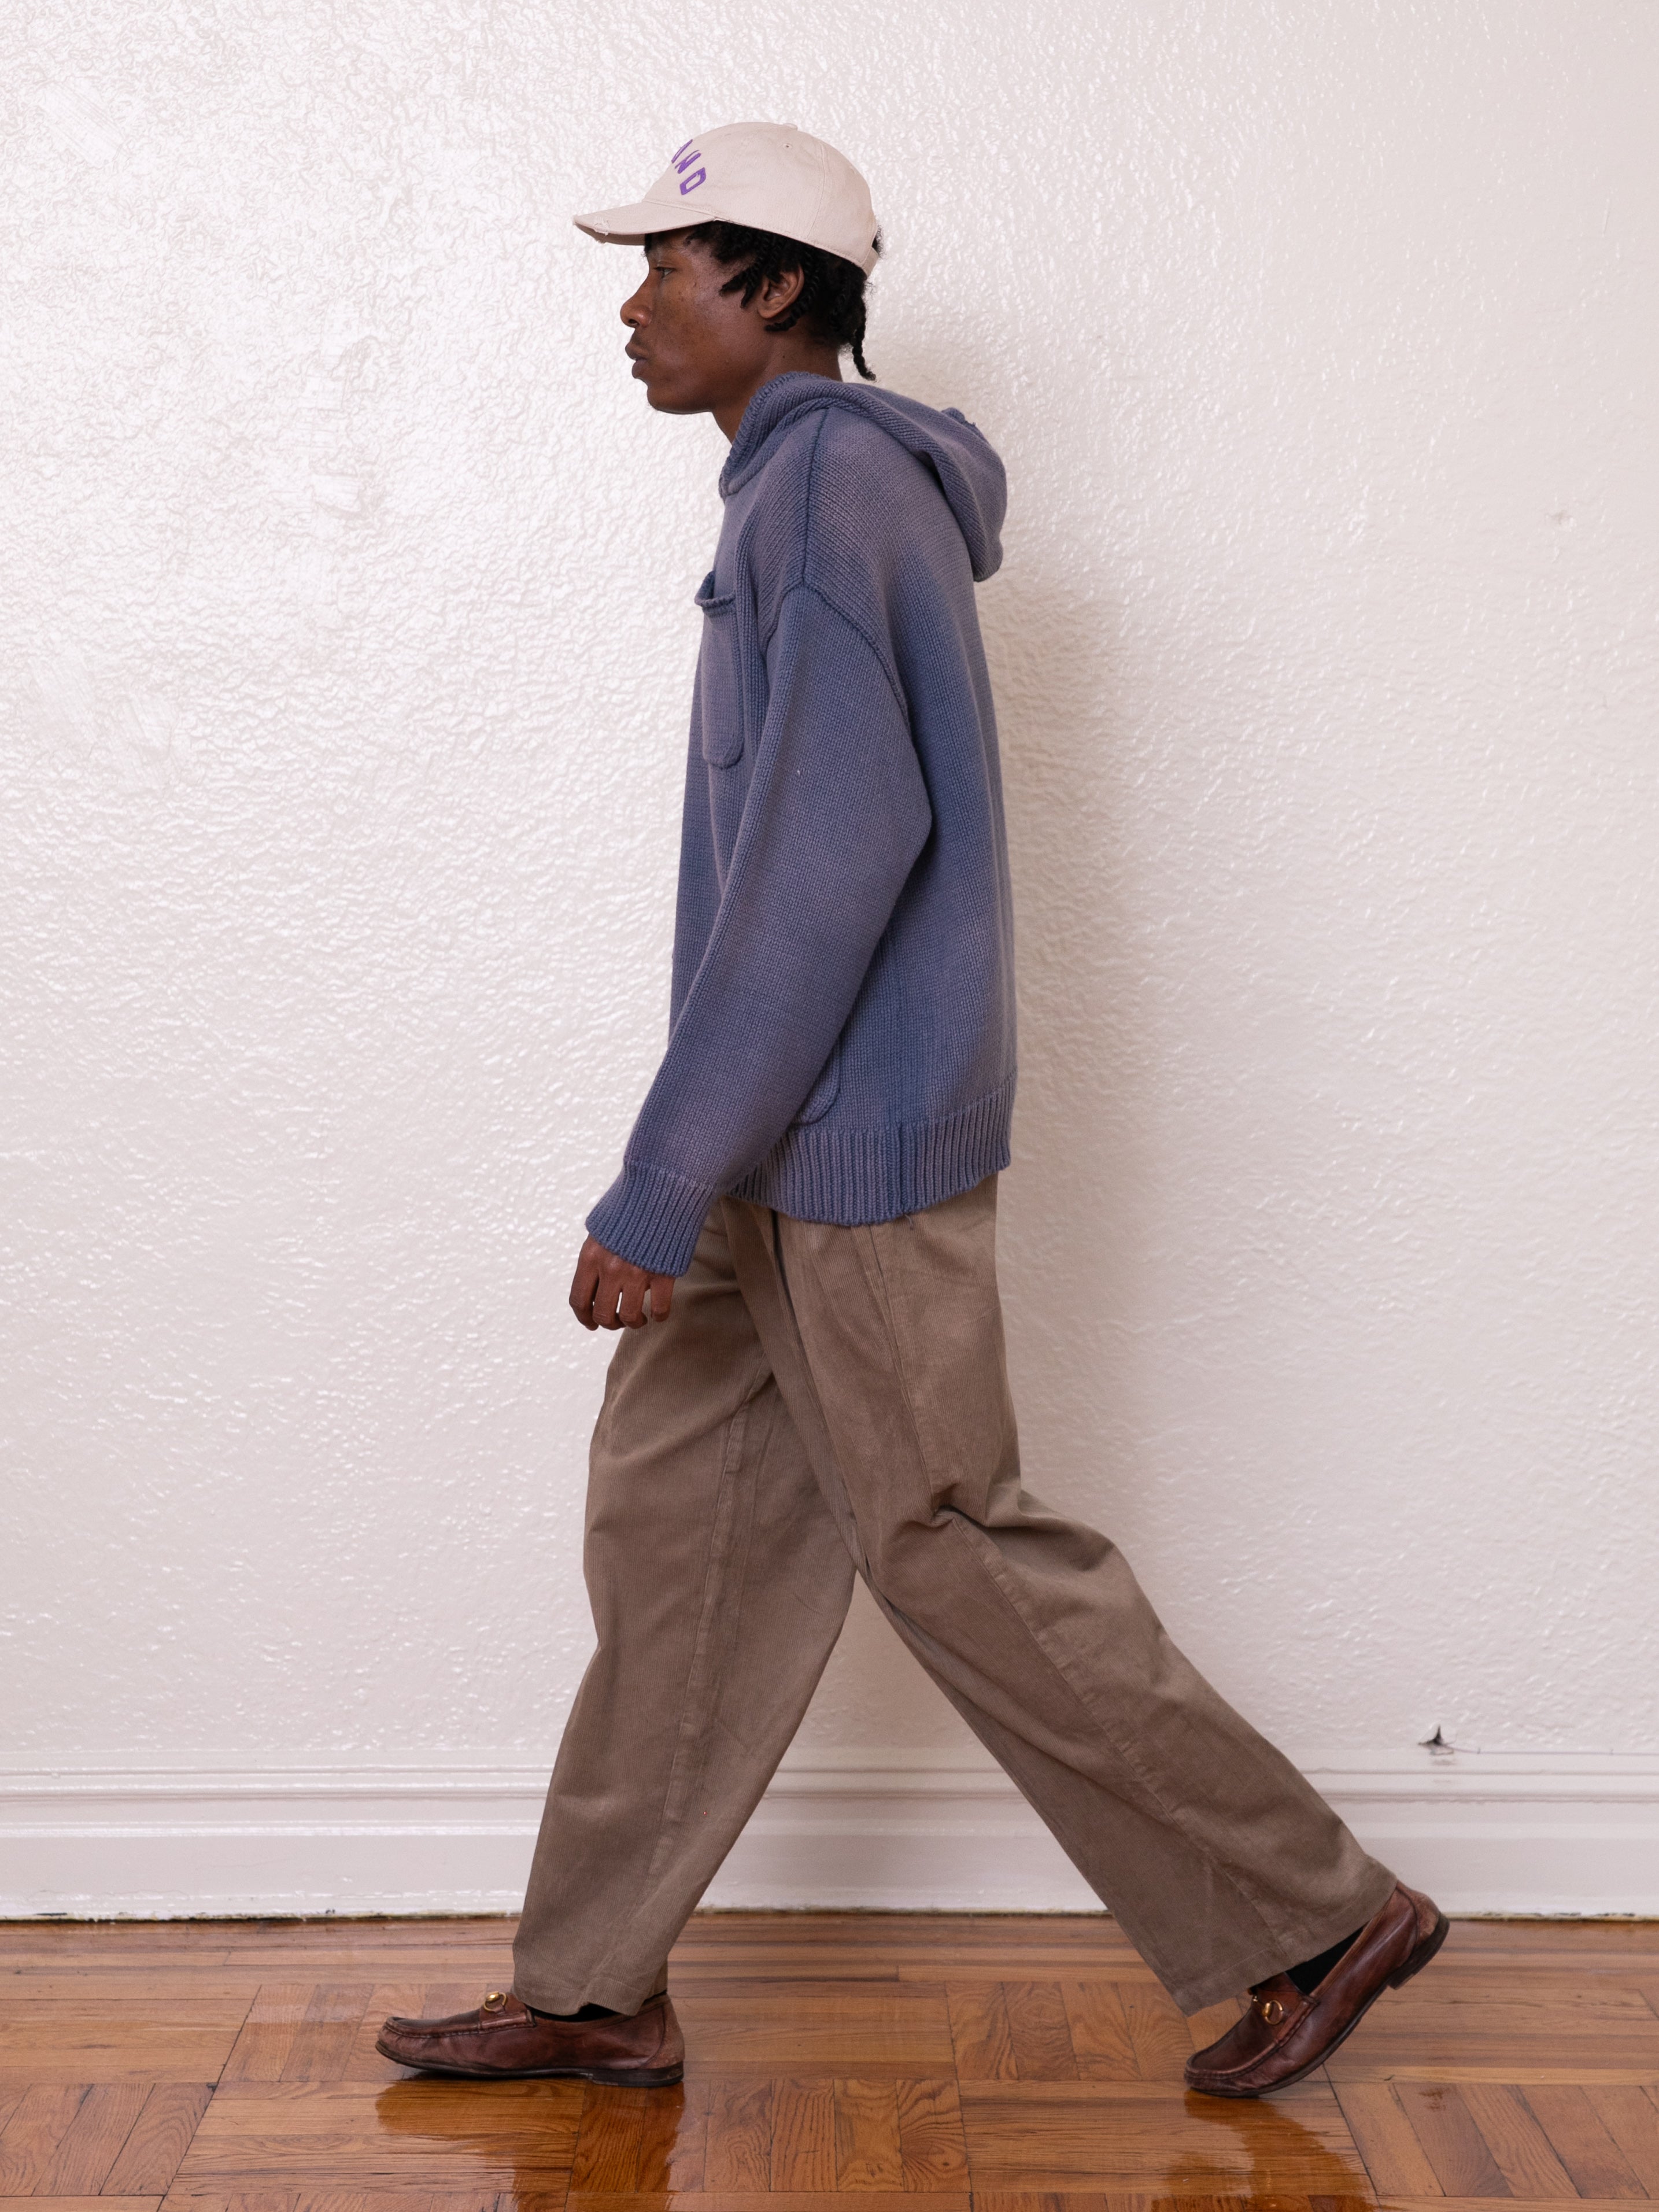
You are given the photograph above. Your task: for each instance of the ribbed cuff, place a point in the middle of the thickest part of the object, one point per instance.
(652, 1217)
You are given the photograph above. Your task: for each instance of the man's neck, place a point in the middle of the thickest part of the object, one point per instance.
(814, 360)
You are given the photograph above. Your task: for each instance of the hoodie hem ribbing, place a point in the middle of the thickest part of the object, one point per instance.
(853, 1177)
(850, 1177)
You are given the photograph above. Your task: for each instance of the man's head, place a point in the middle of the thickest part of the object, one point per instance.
(723, 309)
(758, 239)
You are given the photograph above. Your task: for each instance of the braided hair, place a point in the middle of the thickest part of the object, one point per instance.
(831, 296)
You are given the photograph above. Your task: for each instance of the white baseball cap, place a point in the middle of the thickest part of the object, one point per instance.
(767, 176)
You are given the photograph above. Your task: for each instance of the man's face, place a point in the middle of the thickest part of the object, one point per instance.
(693, 348)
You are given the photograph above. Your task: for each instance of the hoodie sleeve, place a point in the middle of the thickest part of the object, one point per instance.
(835, 814)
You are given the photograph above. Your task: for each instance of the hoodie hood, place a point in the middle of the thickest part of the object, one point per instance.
(963, 459)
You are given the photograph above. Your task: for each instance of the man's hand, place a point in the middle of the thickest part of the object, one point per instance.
(606, 1292)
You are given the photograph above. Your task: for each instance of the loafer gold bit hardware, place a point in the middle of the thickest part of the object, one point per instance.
(494, 2001)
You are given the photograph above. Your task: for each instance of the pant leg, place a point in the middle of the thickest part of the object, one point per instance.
(719, 1584)
(1222, 1863)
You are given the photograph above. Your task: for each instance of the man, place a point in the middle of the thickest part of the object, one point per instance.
(801, 1244)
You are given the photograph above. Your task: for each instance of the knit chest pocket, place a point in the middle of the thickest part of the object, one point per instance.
(720, 678)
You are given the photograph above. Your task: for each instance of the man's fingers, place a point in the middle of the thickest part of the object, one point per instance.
(585, 1283)
(607, 1291)
(633, 1287)
(611, 1280)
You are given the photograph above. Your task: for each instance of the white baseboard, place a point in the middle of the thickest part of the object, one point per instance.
(1566, 1833)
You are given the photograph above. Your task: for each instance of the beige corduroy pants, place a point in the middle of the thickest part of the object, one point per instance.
(824, 1401)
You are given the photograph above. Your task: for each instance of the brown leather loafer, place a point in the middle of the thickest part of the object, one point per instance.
(1284, 2035)
(504, 2041)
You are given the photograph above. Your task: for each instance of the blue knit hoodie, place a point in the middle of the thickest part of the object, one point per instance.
(842, 1031)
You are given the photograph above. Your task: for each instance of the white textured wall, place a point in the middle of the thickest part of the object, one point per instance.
(345, 630)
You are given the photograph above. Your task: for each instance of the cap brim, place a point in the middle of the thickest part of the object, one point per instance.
(626, 225)
(631, 226)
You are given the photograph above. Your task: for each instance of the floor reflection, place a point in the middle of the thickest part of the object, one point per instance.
(531, 2140)
(517, 2136)
(1283, 2157)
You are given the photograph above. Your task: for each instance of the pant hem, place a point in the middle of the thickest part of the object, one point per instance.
(623, 1997)
(1194, 1994)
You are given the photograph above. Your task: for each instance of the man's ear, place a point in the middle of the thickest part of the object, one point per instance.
(778, 293)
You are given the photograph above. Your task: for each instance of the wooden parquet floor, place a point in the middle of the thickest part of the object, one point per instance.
(890, 2063)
